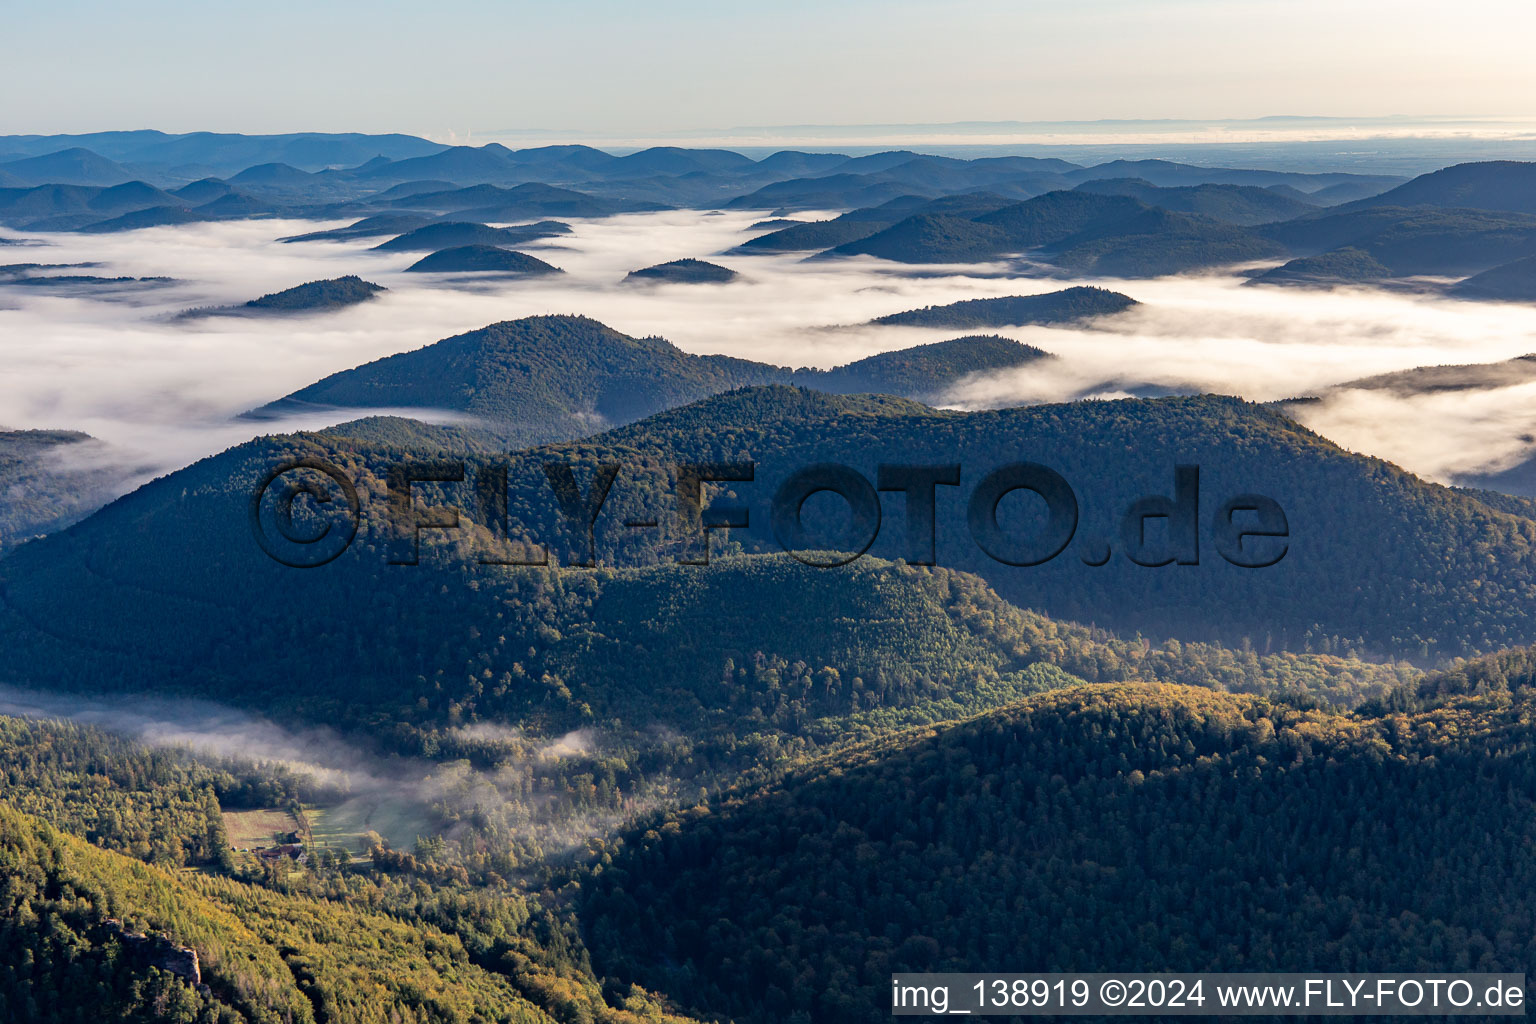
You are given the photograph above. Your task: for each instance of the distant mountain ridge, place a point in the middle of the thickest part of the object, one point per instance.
(327, 170)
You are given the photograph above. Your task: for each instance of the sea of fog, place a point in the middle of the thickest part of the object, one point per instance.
(164, 393)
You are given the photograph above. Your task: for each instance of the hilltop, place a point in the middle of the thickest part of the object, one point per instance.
(312, 297)
(1066, 306)
(482, 259)
(560, 374)
(560, 377)
(687, 271)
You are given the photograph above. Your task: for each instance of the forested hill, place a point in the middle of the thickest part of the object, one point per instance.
(550, 378)
(167, 588)
(107, 931)
(1089, 829)
(1373, 557)
(746, 644)
(1070, 305)
(88, 934)
(923, 371)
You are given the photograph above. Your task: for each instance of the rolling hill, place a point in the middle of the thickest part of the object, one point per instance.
(65, 207)
(273, 175)
(1066, 306)
(311, 297)
(1156, 242)
(1244, 205)
(930, 239)
(225, 153)
(1086, 829)
(686, 271)
(91, 932)
(368, 227)
(1168, 174)
(923, 372)
(531, 199)
(482, 259)
(1078, 231)
(813, 235)
(1505, 185)
(559, 377)
(1425, 380)
(1409, 241)
(1338, 266)
(204, 190)
(51, 478)
(452, 234)
(1509, 282)
(72, 166)
(757, 644)
(141, 595)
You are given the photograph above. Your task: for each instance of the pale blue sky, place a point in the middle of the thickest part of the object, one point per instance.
(467, 65)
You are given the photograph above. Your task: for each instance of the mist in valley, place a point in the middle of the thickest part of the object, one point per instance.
(160, 393)
(514, 793)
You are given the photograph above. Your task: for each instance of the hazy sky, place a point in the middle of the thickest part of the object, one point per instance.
(457, 66)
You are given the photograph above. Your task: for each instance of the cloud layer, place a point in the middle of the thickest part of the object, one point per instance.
(165, 393)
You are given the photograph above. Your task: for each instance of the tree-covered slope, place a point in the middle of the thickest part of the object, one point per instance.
(559, 377)
(1371, 562)
(1244, 205)
(930, 238)
(63, 958)
(554, 375)
(1511, 282)
(1338, 266)
(687, 271)
(440, 935)
(1155, 242)
(1103, 828)
(169, 590)
(1409, 241)
(49, 479)
(924, 371)
(71, 914)
(1077, 231)
(311, 297)
(1487, 185)
(814, 235)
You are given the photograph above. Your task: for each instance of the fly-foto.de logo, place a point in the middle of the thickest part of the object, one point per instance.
(1248, 530)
